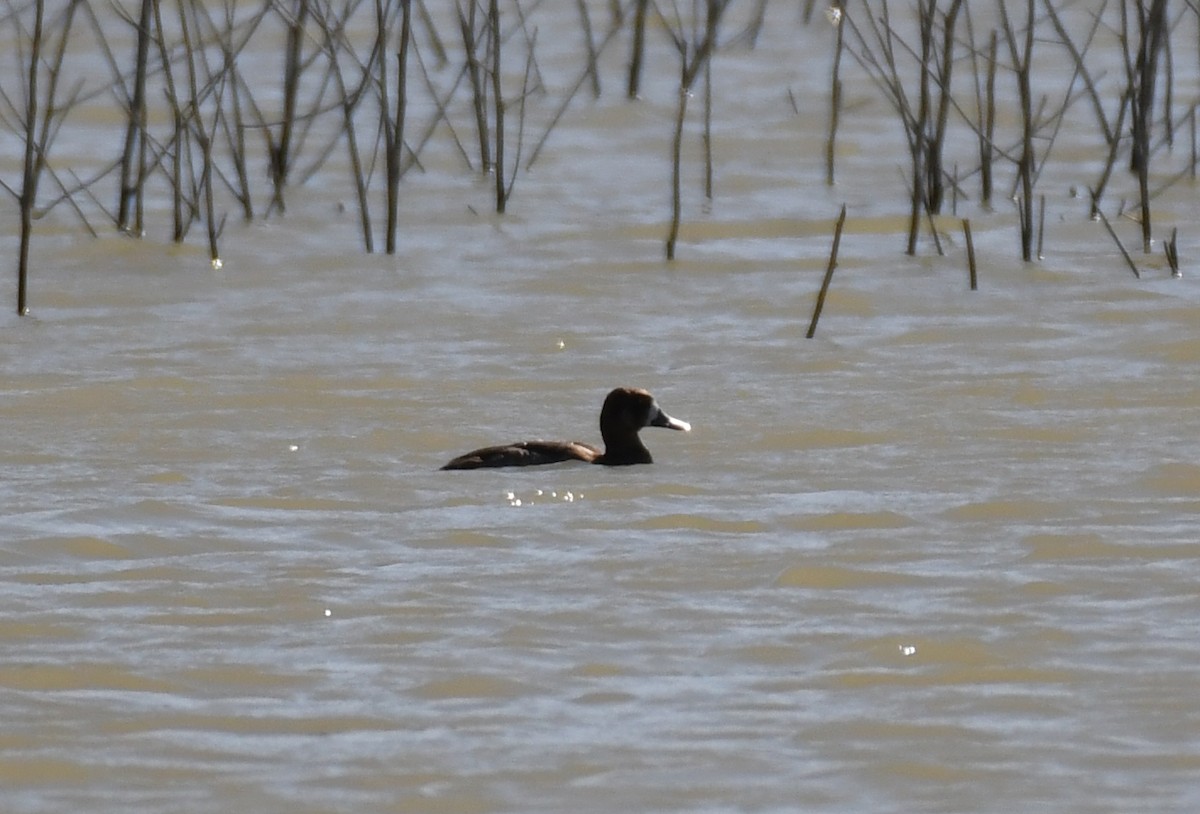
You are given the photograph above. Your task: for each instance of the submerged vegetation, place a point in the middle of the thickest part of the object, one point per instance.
(228, 106)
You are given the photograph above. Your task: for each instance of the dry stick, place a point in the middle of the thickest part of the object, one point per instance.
(442, 113)
(676, 158)
(833, 254)
(1114, 148)
(757, 20)
(691, 70)
(980, 126)
(966, 227)
(933, 167)
(179, 138)
(498, 101)
(395, 144)
(1168, 85)
(435, 41)
(1022, 58)
(1117, 240)
(1192, 127)
(236, 131)
(1041, 227)
(135, 128)
(638, 48)
(1077, 56)
(349, 105)
(707, 136)
(917, 141)
(1171, 250)
(279, 153)
(30, 175)
(527, 83)
(236, 134)
(835, 92)
(53, 110)
(190, 54)
(569, 96)
(84, 186)
(215, 86)
(592, 68)
(987, 143)
(933, 232)
(470, 38)
(1151, 35)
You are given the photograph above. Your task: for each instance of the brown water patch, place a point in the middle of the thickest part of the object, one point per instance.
(819, 438)
(832, 577)
(151, 573)
(24, 772)
(975, 335)
(1041, 435)
(958, 676)
(700, 523)
(77, 676)
(473, 686)
(598, 670)
(771, 654)
(85, 548)
(282, 503)
(1174, 479)
(248, 724)
(238, 679)
(1181, 352)
(1093, 547)
(692, 231)
(1073, 547)
(38, 632)
(880, 728)
(465, 538)
(1004, 510)
(841, 521)
(169, 478)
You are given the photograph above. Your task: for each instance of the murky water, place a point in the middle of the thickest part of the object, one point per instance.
(942, 557)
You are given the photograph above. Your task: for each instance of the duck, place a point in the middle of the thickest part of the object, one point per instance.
(625, 412)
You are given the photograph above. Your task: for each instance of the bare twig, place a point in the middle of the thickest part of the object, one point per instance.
(833, 255)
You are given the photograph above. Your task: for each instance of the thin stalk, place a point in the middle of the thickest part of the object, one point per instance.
(498, 101)
(1124, 253)
(833, 255)
(281, 157)
(690, 70)
(835, 92)
(971, 272)
(637, 50)
(1022, 57)
(135, 127)
(395, 144)
(589, 47)
(470, 38)
(29, 179)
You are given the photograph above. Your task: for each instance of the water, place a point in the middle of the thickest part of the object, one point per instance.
(939, 558)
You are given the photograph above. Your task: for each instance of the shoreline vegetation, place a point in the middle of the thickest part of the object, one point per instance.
(363, 87)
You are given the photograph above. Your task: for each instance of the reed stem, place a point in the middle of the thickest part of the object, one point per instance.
(833, 255)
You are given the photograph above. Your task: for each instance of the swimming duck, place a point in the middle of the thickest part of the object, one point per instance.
(626, 410)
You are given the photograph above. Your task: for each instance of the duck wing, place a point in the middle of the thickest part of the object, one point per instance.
(526, 453)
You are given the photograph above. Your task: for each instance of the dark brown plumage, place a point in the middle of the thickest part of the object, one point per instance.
(625, 412)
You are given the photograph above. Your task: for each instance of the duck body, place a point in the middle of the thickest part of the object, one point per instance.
(625, 412)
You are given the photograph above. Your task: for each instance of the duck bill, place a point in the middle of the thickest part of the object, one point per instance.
(664, 420)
